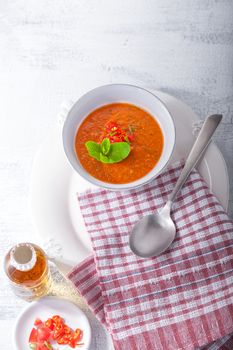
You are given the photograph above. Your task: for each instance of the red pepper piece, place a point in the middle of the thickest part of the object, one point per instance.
(110, 126)
(37, 322)
(67, 329)
(78, 333)
(58, 331)
(57, 319)
(130, 137)
(49, 323)
(63, 340)
(72, 343)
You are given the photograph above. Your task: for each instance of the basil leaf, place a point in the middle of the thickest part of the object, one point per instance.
(105, 146)
(107, 152)
(93, 149)
(118, 152)
(104, 159)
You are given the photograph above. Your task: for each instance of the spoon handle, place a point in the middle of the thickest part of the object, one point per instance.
(199, 147)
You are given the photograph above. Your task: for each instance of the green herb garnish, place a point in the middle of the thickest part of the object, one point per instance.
(127, 139)
(48, 345)
(32, 346)
(131, 129)
(107, 152)
(105, 146)
(112, 133)
(94, 149)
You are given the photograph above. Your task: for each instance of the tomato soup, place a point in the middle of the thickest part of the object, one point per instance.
(143, 133)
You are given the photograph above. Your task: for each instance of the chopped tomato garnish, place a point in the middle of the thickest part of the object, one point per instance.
(43, 347)
(53, 329)
(43, 333)
(33, 336)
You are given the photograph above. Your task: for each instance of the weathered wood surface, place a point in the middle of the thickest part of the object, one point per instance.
(55, 50)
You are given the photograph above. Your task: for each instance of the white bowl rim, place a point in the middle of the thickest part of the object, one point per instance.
(130, 185)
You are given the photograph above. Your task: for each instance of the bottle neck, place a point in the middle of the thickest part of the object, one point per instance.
(23, 257)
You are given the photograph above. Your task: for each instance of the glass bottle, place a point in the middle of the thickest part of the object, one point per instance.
(27, 268)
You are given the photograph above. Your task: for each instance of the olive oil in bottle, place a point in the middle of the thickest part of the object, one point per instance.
(27, 268)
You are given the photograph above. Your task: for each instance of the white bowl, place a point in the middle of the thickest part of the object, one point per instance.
(118, 93)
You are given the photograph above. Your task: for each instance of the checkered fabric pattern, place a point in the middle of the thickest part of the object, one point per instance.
(180, 300)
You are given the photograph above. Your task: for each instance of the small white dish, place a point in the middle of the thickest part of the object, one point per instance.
(45, 308)
(107, 94)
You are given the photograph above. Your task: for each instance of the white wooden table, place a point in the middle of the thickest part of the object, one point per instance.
(51, 51)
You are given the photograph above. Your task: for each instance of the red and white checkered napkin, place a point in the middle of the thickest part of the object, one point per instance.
(182, 299)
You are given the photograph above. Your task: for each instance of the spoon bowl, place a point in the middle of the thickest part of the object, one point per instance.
(145, 239)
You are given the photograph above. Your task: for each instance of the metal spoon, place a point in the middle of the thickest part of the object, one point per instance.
(154, 233)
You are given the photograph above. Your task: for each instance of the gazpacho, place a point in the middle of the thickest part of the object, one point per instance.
(119, 143)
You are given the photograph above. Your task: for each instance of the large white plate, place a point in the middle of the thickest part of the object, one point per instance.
(54, 184)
